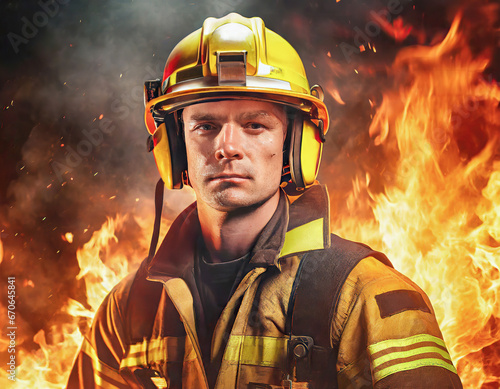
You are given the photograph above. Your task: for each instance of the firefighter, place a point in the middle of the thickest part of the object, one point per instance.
(249, 289)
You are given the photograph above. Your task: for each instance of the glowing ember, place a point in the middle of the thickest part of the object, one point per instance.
(29, 283)
(68, 237)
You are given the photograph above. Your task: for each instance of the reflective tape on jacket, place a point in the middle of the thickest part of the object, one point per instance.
(256, 350)
(159, 350)
(306, 237)
(104, 375)
(395, 355)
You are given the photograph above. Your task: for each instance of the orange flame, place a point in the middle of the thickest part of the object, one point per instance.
(438, 215)
(101, 268)
(102, 277)
(49, 366)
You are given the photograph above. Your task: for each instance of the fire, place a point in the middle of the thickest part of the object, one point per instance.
(50, 364)
(103, 263)
(101, 276)
(438, 215)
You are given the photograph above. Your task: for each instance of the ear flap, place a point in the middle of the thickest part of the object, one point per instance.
(170, 152)
(306, 147)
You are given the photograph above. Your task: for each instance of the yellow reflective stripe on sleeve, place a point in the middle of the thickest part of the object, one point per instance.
(304, 238)
(104, 375)
(256, 350)
(385, 344)
(413, 365)
(166, 349)
(405, 354)
(395, 355)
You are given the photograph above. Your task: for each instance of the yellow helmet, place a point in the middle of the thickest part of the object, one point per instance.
(235, 58)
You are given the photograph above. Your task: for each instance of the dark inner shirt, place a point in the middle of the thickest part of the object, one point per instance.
(216, 283)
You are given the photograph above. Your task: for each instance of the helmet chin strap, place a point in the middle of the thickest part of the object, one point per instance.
(160, 187)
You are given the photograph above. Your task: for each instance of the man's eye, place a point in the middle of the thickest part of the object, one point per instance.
(205, 127)
(255, 126)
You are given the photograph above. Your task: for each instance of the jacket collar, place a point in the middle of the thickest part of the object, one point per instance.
(298, 225)
(175, 256)
(309, 222)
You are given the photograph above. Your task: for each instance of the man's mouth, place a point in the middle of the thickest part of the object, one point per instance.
(230, 177)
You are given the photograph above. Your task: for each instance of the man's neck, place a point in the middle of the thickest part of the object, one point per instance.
(230, 235)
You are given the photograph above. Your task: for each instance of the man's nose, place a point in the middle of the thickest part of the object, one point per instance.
(229, 144)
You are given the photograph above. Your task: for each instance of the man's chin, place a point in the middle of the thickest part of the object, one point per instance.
(230, 201)
(234, 199)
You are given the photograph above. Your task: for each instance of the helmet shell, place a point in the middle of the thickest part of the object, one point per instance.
(200, 69)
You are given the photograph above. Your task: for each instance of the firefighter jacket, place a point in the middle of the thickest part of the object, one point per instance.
(146, 332)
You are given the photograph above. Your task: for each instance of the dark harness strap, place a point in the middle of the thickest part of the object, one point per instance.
(160, 188)
(313, 303)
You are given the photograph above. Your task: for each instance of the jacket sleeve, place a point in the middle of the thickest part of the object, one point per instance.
(388, 334)
(97, 363)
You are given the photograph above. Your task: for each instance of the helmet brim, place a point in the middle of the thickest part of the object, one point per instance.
(172, 102)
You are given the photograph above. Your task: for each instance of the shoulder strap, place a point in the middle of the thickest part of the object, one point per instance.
(313, 303)
(160, 187)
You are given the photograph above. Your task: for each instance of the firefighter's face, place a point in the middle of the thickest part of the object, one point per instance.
(234, 151)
